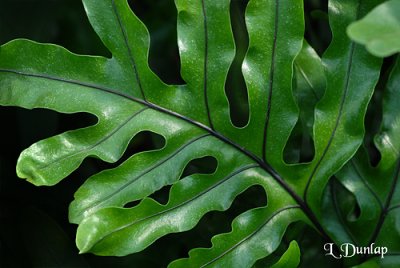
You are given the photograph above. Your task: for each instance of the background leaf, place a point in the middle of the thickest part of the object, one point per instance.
(376, 189)
(379, 30)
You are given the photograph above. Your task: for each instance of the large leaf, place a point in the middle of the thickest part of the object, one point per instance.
(194, 119)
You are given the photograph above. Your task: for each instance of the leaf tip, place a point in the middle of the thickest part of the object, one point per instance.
(82, 252)
(28, 173)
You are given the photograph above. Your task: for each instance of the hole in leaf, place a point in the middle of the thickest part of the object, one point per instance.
(217, 222)
(374, 116)
(374, 154)
(160, 17)
(141, 142)
(235, 88)
(204, 165)
(344, 201)
(162, 195)
(75, 121)
(253, 197)
(318, 32)
(293, 232)
(372, 123)
(311, 246)
(38, 124)
(300, 146)
(355, 213)
(50, 22)
(132, 204)
(177, 245)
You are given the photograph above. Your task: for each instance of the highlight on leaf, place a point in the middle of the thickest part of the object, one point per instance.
(298, 135)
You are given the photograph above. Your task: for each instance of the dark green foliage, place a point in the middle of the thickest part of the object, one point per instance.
(260, 144)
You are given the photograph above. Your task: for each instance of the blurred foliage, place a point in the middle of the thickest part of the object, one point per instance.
(379, 30)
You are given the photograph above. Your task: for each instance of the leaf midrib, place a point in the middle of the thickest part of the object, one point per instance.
(263, 164)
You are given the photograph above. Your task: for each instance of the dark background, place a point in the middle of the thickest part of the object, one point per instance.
(34, 227)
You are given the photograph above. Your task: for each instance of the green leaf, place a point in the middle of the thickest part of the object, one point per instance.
(240, 247)
(368, 264)
(291, 258)
(378, 262)
(379, 30)
(338, 127)
(194, 120)
(309, 85)
(376, 189)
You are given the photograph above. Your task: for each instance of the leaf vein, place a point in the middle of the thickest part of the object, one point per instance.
(205, 64)
(156, 165)
(304, 75)
(394, 207)
(365, 182)
(386, 208)
(250, 235)
(271, 81)
(337, 121)
(238, 171)
(109, 135)
(126, 41)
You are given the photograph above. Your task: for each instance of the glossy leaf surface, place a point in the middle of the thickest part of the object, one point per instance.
(291, 91)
